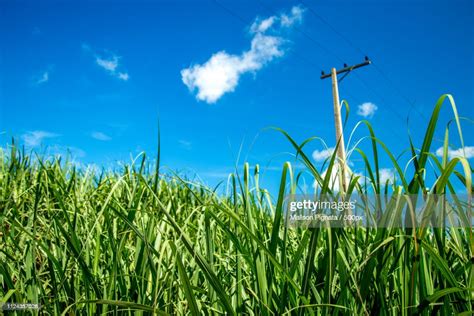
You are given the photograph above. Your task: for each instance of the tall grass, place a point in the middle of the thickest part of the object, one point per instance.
(82, 242)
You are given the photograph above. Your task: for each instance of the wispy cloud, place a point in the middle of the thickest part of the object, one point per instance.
(321, 155)
(100, 136)
(367, 109)
(43, 78)
(296, 16)
(110, 62)
(221, 73)
(35, 138)
(185, 144)
(123, 76)
(468, 152)
(261, 26)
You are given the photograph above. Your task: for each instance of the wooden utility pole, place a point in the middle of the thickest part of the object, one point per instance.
(341, 149)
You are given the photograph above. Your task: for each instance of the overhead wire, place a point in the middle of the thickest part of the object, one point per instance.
(358, 49)
(333, 54)
(315, 42)
(311, 39)
(246, 23)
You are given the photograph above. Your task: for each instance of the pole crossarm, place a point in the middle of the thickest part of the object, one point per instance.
(347, 68)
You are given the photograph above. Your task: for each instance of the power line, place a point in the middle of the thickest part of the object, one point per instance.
(238, 17)
(322, 19)
(310, 38)
(328, 51)
(303, 58)
(374, 92)
(357, 48)
(245, 22)
(403, 96)
(333, 54)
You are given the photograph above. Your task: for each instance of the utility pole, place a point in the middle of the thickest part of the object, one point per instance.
(341, 151)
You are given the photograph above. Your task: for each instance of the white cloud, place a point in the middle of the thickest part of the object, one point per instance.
(262, 26)
(296, 16)
(100, 136)
(108, 64)
(111, 65)
(221, 73)
(334, 178)
(385, 175)
(468, 152)
(34, 138)
(108, 61)
(123, 76)
(321, 155)
(43, 78)
(367, 109)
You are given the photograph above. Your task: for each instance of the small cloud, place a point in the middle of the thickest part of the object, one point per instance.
(468, 152)
(109, 62)
(367, 109)
(335, 175)
(36, 31)
(185, 144)
(123, 76)
(321, 155)
(43, 78)
(285, 20)
(386, 175)
(221, 73)
(296, 16)
(100, 136)
(35, 138)
(110, 65)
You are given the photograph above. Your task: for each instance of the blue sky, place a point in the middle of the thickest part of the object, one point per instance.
(94, 76)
